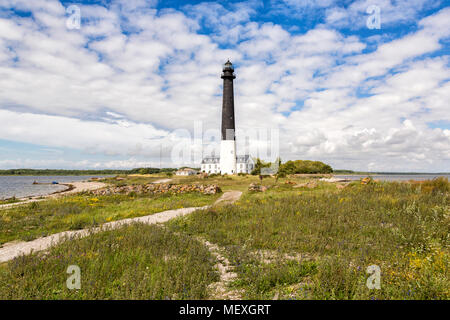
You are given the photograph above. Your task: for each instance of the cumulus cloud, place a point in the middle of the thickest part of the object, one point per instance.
(133, 77)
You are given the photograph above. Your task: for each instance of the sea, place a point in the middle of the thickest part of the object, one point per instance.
(22, 186)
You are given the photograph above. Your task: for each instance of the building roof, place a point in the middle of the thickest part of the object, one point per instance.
(243, 159)
(211, 159)
(215, 159)
(186, 169)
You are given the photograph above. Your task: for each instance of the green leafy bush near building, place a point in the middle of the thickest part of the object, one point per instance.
(305, 166)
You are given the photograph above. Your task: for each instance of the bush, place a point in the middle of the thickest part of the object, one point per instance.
(304, 166)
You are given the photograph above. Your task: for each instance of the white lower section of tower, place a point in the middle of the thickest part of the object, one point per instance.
(228, 157)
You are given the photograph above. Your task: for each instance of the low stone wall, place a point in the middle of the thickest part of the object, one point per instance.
(159, 188)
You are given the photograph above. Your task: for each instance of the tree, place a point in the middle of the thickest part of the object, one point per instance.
(279, 173)
(305, 166)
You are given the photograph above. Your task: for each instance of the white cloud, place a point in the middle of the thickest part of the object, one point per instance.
(392, 12)
(163, 74)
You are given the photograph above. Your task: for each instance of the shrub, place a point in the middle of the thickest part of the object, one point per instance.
(305, 166)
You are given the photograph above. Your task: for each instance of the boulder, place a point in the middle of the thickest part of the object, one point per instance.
(309, 185)
(257, 188)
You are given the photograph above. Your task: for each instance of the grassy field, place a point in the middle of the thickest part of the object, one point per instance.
(8, 201)
(317, 244)
(135, 262)
(293, 243)
(37, 219)
(122, 180)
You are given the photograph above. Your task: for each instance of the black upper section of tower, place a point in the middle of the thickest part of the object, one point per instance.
(228, 123)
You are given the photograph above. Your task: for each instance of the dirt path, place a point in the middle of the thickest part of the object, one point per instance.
(229, 197)
(219, 290)
(73, 187)
(14, 249)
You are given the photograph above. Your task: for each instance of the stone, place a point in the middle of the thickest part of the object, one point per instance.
(159, 188)
(257, 188)
(309, 185)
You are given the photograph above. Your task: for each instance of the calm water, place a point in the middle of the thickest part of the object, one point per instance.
(394, 177)
(22, 186)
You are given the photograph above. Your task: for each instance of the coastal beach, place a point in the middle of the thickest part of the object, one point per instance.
(21, 187)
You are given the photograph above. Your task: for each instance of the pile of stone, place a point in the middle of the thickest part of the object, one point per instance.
(159, 188)
(257, 188)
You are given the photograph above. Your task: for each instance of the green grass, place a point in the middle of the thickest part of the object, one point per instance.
(135, 262)
(8, 201)
(122, 180)
(296, 243)
(42, 218)
(403, 228)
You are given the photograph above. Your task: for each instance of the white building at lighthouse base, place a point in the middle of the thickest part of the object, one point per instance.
(212, 165)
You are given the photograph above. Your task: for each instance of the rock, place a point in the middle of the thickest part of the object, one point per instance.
(309, 185)
(159, 188)
(257, 188)
(213, 189)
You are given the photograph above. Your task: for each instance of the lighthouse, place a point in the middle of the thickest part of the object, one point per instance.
(228, 162)
(228, 142)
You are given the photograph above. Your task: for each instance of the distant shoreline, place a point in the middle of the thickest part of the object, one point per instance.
(72, 187)
(390, 173)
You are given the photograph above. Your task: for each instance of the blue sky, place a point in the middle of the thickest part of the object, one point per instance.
(137, 77)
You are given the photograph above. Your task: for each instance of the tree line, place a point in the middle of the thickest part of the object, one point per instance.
(69, 172)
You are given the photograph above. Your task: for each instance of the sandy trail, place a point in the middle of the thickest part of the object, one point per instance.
(14, 249)
(229, 197)
(72, 187)
(219, 290)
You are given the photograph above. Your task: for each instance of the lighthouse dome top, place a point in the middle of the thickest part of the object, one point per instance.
(228, 71)
(228, 66)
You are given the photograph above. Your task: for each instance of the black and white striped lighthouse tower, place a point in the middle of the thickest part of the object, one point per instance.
(228, 143)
